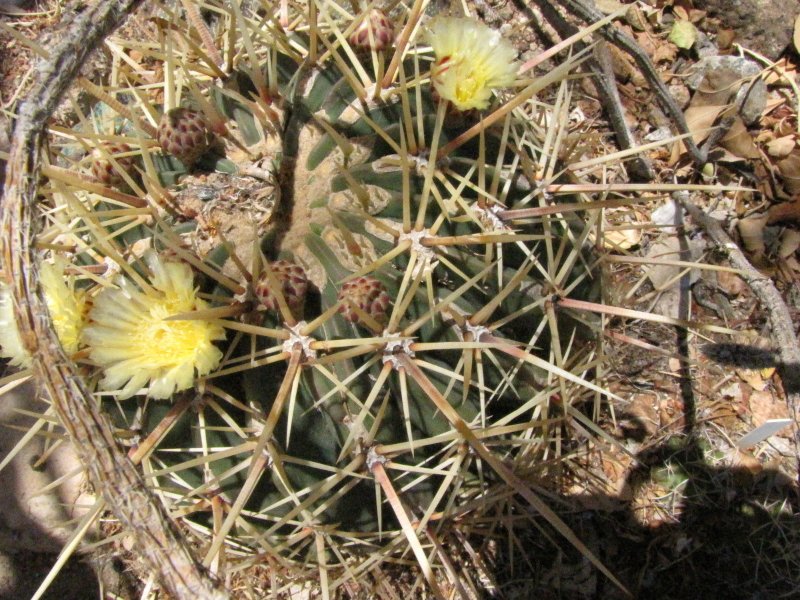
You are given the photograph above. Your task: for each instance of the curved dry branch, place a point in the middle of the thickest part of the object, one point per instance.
(158, 541)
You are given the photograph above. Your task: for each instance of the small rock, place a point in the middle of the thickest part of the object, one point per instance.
(704, 46)
(680, 93)
(715, 77)
(666, 213)
(666, 278)
(721, 67)
(732, 390)
(751, 101)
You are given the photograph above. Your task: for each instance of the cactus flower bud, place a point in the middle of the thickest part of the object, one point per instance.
(104, 170)
(369, 295)
(183, 132)
(381, 29)
(294, 287)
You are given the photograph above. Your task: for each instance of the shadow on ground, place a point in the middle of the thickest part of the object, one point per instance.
(731, 533)
(36, 518)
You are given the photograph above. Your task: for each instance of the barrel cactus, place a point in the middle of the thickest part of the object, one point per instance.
(332, 286)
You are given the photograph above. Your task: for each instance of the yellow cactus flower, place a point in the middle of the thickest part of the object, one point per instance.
(130, 339)
(65, 305)
(471, 60)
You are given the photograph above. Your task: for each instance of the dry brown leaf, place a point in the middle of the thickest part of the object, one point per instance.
(785, 212)
(700, 118)
(671, 412)
(731, 283)
(745, 460)
(623, 239)
(649, 43)
(635, 17)
(753, 378)
(624, 67)
(790, 242)
(615, 468)
(664, 53)
(771, 116)
(687, 5)
(608, 7)
(764, 406)
(793, 264)
(725, 38)
(764, 136)
(712, 99)
(751, 230)
(789, 168)
(696, 15)
(782, 146)
(739, 142)
(641, 415)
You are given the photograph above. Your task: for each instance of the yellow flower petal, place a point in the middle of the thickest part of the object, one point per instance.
(65, 305)
(130, 339)
(471, 60)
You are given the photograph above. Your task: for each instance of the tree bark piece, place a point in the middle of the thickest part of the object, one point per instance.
(158, 540)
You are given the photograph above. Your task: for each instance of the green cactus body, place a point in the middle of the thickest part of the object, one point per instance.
(447, 390)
